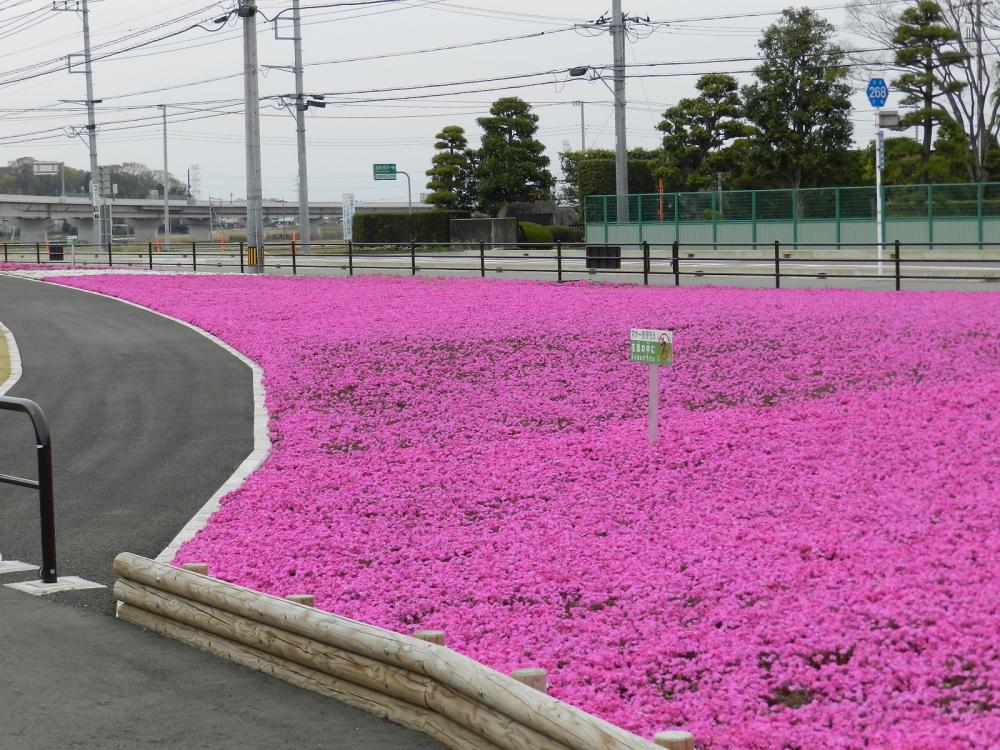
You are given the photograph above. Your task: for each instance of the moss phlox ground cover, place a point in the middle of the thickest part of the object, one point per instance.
(809, 559)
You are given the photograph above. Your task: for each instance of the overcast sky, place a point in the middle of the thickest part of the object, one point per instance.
(344, 140)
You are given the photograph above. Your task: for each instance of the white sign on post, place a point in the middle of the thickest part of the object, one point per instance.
(656, 349)
(348, 209)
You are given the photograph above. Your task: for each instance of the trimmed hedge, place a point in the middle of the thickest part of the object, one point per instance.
(532, 233)
(426, 226)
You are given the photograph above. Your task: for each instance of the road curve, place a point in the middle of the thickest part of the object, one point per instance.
(148, 419)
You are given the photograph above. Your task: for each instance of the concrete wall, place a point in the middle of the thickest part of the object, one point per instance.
(490, 231)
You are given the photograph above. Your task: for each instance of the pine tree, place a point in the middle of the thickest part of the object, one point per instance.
(451, 173)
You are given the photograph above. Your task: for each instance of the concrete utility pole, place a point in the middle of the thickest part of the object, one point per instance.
(305, 234)
(583, 127)
(621, 149)
(166, 182)
(95, 186)
(255, 193)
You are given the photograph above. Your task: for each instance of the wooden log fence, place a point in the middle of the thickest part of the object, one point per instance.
(413, 681)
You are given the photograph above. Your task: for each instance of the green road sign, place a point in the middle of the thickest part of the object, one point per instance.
(652, 347)
(384, 171)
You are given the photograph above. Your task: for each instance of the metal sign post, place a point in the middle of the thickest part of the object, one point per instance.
(878, 93)
(656, 349)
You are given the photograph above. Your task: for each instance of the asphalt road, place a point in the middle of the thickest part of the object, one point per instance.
(148, 419)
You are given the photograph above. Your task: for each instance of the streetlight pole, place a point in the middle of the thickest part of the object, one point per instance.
(166, 183)
(621, 150)
(255, 194)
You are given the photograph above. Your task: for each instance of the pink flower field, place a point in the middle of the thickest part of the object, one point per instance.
(809, 559)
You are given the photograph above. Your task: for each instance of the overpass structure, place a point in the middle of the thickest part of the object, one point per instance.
(34, 215)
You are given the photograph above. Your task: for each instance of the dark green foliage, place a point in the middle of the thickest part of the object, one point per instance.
(429, 226)
(922, 40)
(567, 234)
(531, 233)
(451, 180)
(511, 165)
(800, 105)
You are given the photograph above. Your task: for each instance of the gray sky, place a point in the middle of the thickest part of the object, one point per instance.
(344, 140)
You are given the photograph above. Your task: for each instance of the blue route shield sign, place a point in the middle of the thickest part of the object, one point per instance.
(878, 92)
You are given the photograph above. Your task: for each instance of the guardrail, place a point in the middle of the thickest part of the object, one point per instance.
(46, 501)
(645, 262)
(420, 684)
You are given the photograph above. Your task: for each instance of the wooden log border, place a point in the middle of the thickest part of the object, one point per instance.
(418, 684)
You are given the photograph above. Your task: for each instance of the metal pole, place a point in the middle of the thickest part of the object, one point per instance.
(166, 183)
(621, 150)
(878, 193)
(899, 275)
(62, 179)
(305, 234)
(95, 188)
(583, 127)
(654, 404)
(255, 194)
(777, 264)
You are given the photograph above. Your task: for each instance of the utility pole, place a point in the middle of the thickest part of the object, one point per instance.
(166, 183)
(95, 188)
(621, 150)
(583, 127)
(255, 194)
(305, 234)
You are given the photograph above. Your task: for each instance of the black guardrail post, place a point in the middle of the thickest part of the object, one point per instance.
(150, 256)
(295, 268)
(777, 264)
(482, 259)
(111, 261)
(46, 500)
(413, 258)
(5, 252)
(899, 276)
(559, 274)
(350, 257)
(241, 258)
(675, 261)
(38, 253)
(645, 263)
(194, 257)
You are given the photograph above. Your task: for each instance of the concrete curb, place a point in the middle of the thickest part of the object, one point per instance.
(15, 360)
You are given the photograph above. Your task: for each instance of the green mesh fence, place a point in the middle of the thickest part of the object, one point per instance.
(804, 215)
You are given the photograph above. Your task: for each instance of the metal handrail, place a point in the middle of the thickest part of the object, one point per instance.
(43, 445)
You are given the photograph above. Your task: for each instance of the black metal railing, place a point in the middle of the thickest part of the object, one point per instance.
(46, 501)
(647, 263)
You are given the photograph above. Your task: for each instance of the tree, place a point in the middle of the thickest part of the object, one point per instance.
(922, 40)
(965, 72)
(510, 165)
(800, 105)
(695, 129)
(451, 175)
(592, 172)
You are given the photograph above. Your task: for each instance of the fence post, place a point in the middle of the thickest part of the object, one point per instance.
(930, 216)
(777, 264)
(350, 257)
(482, 259)
(5, 252)
(675, 256)
(753, 218)
(413, 258)
(559, 261)
(836, 212)
(150, 256)
(645, 263)
(899, 278)
(715, 221)
(241, 257)
(979, 203)
(111, 261)
(38, 253)
(194, 257)
(295, 268)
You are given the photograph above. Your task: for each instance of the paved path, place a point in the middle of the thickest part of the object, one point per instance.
(148, 419)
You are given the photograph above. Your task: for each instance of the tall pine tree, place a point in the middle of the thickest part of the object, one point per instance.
(451, 174)
(511, 165)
